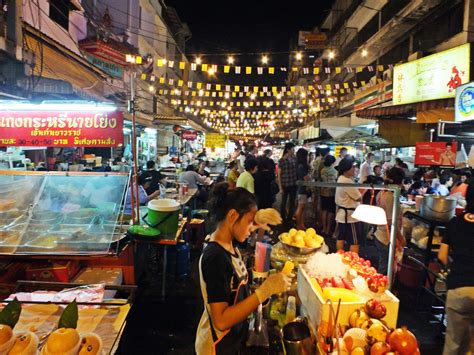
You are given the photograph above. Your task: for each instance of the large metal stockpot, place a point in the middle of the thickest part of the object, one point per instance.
(439, 208)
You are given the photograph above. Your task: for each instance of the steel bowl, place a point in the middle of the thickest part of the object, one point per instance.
(296, 250)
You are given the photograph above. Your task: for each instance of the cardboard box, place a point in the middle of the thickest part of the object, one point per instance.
(60, 271)
(316, 308)
(108, 276)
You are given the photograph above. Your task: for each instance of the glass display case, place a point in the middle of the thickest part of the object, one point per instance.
(60, 213)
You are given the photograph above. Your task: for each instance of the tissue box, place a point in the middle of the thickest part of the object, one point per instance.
(108, 276)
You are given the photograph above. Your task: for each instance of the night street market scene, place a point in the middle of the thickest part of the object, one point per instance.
(236, 178)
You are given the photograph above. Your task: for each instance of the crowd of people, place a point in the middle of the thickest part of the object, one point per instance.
(333, 206)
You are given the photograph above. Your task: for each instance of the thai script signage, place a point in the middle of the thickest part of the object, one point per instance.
(61, 129)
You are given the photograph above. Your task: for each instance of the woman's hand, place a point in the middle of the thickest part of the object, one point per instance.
(275, 283)
(267, 216)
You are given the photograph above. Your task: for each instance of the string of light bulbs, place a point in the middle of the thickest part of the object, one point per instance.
(231, 68)
(171, 82)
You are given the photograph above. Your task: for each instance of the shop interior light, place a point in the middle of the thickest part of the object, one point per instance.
(412, 118)
(150, 130)
(56, 106)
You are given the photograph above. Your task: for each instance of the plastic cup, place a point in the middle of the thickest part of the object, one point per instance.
(419, 201)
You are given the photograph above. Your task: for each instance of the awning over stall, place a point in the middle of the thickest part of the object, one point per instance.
(408, 110)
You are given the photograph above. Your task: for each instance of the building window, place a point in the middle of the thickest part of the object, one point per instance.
(59, 12)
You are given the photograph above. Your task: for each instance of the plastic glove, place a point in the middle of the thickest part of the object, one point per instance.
(275, 283)
(267, 216)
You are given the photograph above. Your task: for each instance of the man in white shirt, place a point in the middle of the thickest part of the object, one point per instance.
(366, 168)
(349, 230)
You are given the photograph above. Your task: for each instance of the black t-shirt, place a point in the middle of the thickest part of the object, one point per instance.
(218, 272)
(222, 272)
(155, 180)
(460, 238)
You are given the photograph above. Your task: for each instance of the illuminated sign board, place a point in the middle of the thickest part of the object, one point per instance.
(464, 107)
(433, 77)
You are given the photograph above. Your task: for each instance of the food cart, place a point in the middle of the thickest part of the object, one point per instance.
(51, 225)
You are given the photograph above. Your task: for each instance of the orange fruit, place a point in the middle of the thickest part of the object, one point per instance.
(22, 344)
(6, 333)
(63, 340)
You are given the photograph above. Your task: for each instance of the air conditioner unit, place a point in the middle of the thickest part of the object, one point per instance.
(416, 55)
(387, 75)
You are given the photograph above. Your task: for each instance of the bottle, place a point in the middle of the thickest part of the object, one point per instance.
(162, 191)
(291, 309)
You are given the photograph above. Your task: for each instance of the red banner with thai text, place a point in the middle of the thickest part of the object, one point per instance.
(61, 129)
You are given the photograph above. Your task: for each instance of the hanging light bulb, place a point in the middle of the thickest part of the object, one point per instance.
(230, 60)
(198, 60)
(299, 56)
(211, 72)
(264, 59)
(151, 88)
(364, 53)
(331, 54)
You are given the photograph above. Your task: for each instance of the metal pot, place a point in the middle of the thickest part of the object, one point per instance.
(297, 340)
(439, 208)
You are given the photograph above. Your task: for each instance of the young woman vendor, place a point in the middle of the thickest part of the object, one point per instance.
(458, 245)
(223, 276)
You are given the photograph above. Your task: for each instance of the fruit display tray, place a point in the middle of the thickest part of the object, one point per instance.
(316, 308)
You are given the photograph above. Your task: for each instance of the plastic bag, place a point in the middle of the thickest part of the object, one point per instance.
(418, 232)
(258, 332)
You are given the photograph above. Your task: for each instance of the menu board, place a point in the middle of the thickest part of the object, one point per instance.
(215, 140)
(441, 154)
